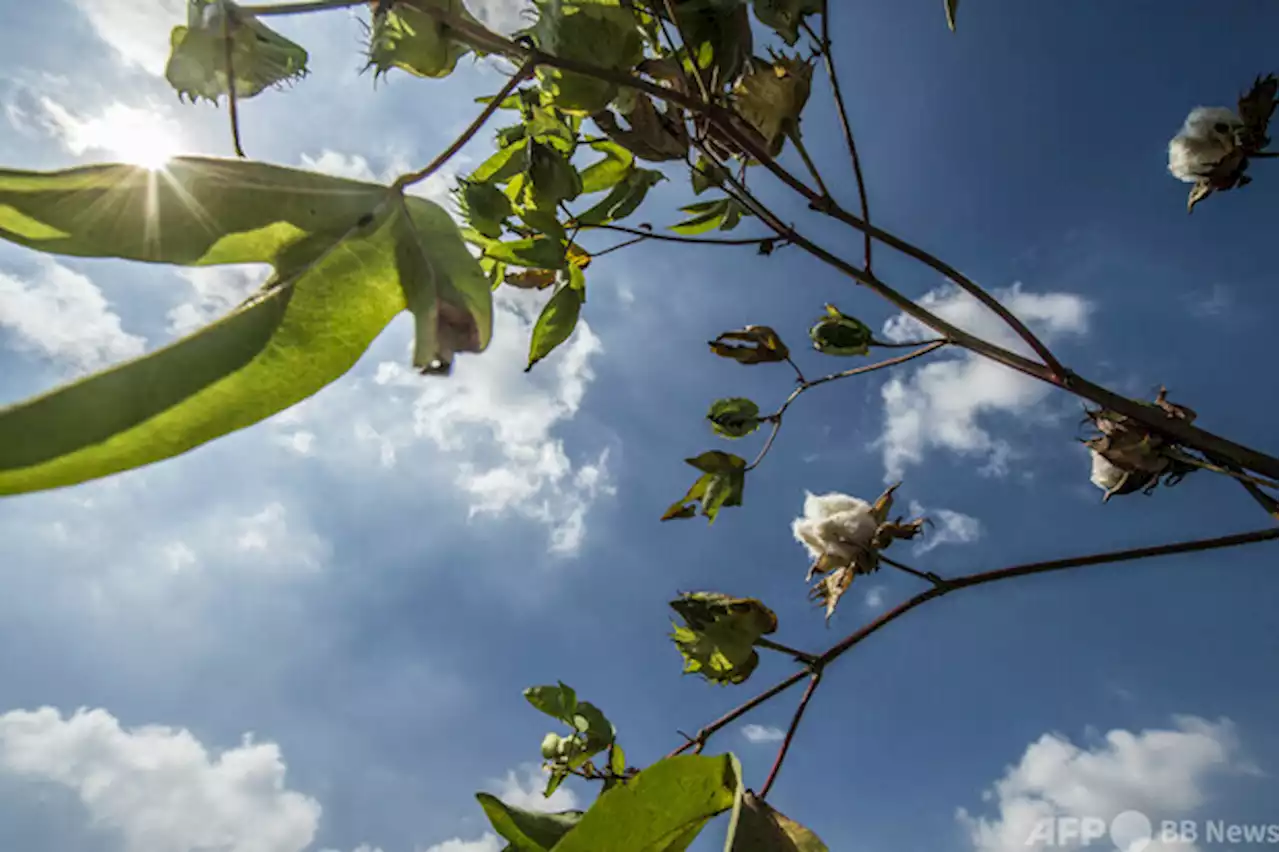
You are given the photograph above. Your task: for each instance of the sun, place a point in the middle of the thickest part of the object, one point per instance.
(137, 135)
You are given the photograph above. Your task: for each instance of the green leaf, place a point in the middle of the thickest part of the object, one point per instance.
(734, 417)
(623, 199)
(546, 127)
(755, 344)
(556, 322)
(544, 222)
(502, 166)
(527, 831)
(409, 39)
(609, 170)
(760, 828)
(347, 256)
(703, 222)
(484, 206)
(771, 97)
(617, 760)
(840, 334)
(600, 32)
(260, 57)
(950, 7)
(558, 701)
(535, 252)
(660, 810)
(722, 482)
(718, 637)
(784, 16)
(552, 177)
(705, 174)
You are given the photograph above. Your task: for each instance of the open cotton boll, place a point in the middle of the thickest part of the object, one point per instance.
(1209, 136)
(1105, 475)
(835, 525)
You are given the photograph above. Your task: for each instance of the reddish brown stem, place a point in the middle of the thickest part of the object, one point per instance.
(814, 680)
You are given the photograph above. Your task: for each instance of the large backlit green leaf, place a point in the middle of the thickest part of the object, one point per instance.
(346, 256)
(660, 810)
(526, 831)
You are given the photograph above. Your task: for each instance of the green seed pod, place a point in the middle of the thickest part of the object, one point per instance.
(550, 746)
(839, 334)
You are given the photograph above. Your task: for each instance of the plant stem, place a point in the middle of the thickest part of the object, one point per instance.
(982, 578)
(802, 656)
(301, 8)
(825, 44)
(923, 575)
(233, 104)
(776, 417)
(814, 680)
(794, 136)
(524, 72)
(675, 238)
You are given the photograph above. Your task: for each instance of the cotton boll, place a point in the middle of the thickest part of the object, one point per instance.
(1105, 475)
(835, 525)
(1209, 136)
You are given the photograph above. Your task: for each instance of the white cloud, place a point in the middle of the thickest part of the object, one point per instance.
(438, 187)
(875, 597)
(945, 403)
(62, 315)
(143, 135)
(505, 16)
(1162, 773)
(762, 733)
(487, 842)
(947, 527)
(158, 788)
(268, 536)
(138, 30)
(217, 290)
(522, 788)
(498, 423)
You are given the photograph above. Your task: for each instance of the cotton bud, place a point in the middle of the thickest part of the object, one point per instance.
(550, 746)
(1212, 150)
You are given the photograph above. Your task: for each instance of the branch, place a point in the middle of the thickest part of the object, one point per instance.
(673, 238)
(523, 73)
(233, 107)
(825, 44)
(301, 8)
(1050, 371)
(791, 732)
(801, 656)
(776, 417)
(844, 645)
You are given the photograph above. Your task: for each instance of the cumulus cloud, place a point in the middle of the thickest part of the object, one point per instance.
(438, 187)
(875, 597)
(137, 30)
(215, 292)
(147, 135)
(947, 527)
(498, 423)
(158, 788)
(61, 315)
(1161, 773)
(947, 403)
(762, 733)
(521, 788)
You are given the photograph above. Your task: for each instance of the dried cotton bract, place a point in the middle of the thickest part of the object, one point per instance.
(845, 535)
(1127, 457)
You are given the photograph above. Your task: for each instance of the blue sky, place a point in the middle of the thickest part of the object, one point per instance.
(363, 585)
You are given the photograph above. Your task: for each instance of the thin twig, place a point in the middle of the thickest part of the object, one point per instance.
(675, 238)
(824, 44)
(845, 644)
(808, 163)
(775, 419)
(624, 244)
(524, 72)
(301, 8)
(233, 108)
(1266, 501)
(802, 656)
(923, 575)
(814, 680)
(703, 89)
(905, 344)
(699, 739)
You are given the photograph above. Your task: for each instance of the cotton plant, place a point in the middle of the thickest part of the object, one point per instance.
(844, 535)
(1213, 149)
(1128, 457)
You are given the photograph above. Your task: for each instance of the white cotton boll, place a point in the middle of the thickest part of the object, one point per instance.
(1208, 136)
(835, 525)
(1105, 475)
